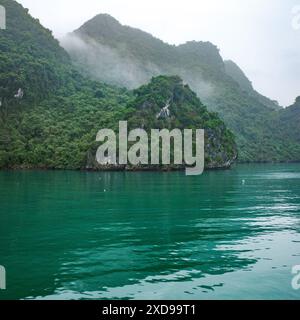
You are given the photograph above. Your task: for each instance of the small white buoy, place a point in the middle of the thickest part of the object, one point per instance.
(104, 190)
(243, 182)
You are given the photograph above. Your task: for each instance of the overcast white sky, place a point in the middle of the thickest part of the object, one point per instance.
(257, 34)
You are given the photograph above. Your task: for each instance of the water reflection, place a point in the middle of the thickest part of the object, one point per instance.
(151, 235)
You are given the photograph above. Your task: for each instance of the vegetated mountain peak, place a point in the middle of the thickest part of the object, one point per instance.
(99, 23)
(167, 102)
(200, 47)
(203, 52)
(294, 106)
(287, 129)
(165, 91)
(108, 30)
(297, 102)
(106, 18)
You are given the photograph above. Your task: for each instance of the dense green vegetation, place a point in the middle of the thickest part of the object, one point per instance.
(53, 124)
(131, 57)
(31, 59)
(56, 121)
(186, 111)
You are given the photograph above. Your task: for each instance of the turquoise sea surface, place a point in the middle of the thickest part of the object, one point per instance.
(231, 234)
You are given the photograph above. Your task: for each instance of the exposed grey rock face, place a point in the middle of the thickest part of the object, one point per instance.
(164, 112)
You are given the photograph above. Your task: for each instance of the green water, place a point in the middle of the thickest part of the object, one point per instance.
(78, 235)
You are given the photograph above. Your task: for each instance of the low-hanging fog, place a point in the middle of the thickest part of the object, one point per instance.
(261, 36)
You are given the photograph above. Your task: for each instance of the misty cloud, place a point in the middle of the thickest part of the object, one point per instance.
(257, 35)
(106, 64)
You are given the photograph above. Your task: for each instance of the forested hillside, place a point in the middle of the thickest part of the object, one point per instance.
(105, 50)
(184, 110)
(50, 114)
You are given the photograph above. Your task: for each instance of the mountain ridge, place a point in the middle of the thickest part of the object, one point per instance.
(130, 57)
(50, 114)
(97, 28)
